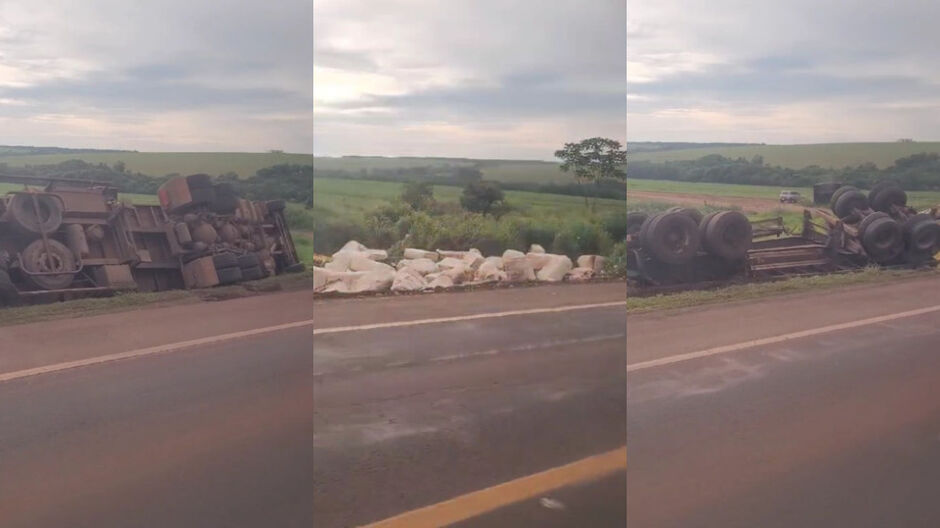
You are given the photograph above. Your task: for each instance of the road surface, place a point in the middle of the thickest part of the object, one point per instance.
(810, 410)
(411, 415)
(216, 434)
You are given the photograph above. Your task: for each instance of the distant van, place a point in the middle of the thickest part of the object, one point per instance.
(789, 197)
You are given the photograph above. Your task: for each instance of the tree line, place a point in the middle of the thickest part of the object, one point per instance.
(915, 172)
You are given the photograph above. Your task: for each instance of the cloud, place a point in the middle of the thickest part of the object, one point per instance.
(801, 71)
(103, 73)
(473, 76)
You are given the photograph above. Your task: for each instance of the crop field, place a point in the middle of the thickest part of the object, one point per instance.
(351, 198)
(917, 199)
(830, 155)
(245, 164)
(508, 171)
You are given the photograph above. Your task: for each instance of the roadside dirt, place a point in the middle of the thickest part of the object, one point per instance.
(756, 205)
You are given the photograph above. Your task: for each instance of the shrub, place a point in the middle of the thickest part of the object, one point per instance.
(616, 265)
(615, 224)
(581, 238)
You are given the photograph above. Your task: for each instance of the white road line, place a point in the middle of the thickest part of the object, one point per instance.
(777, 339)
(416, 322)
(159, 349)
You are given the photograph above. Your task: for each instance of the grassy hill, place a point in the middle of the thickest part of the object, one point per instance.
(830, 155)
(244, 164)
(507, 171)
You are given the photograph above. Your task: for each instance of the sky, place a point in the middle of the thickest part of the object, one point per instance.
(499, 79)
(174, 75)
(800, 71)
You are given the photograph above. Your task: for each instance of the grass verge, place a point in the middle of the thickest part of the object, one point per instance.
(127, 301)
(743, 292)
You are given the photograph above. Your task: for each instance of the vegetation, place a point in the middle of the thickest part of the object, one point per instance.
(593, 160)
(483, 197)
(372, 213)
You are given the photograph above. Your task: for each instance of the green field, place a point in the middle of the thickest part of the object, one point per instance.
(829, 155)
(508, 171)
(916, 199)
(244, 164)
(351, 198)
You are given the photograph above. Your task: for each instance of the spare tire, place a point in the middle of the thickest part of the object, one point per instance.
(849, 202)
(728, 235)
(23, 213)
(225, 260)
(254, 273)
(882, 239)
(58, 258)
(634, 222)
(229, 275)
(838, 192)
(888, 197)
(922, 234)
(672, 238)
(248, 260)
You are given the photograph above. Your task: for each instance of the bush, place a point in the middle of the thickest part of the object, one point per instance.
(616, 265)
(615, 224)
(581, 238)
(418, 195)
(330, 235)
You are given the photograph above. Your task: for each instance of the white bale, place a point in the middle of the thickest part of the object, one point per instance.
(408, 279)
(580, 274)
(352, 247)
(490, 272)
(421, 265)
(450, 262)
(595, 262)
(458, 274)
(517, 268)
(599, 264)
(475, 251)
(414, 254)
(512, 253)
(539, 260)
(362, 262)
(339, 262)
(473, 259)
(496, 261)
(373, 281)
(321, 277)
(442, 281)
(452, 254)
(342, 281)
(555, 270)
(535, 248)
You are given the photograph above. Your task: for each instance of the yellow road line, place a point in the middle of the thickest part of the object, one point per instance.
(159, 349)
(491, 315)
(778, 339)
(486, 500)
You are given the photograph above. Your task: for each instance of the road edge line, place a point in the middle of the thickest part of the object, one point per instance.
(141, 352)
(776, 339)
(482, 501)
(416, 322)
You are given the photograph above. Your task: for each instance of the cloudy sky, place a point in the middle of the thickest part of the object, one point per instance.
(800, 71)
(475, 78)
(183, 75)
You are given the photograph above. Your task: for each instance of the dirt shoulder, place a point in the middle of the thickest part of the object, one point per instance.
(756, 205)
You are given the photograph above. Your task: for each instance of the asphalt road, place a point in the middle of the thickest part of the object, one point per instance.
(216, 435)
(410, 416)
(838, 428)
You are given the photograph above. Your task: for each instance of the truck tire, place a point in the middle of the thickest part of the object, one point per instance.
(24, 216)
(877, 188)
(883, 239)
(837, 193)
(9, 296)
(226, 199)
(691, 212)
(255, 273)
(849, 202)
(672, 238)
(225, 260)
(229, 275)
(59, 258)
(728, 235)
(922, 234)
(888, 197)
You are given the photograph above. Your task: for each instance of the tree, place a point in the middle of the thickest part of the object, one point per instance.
(593, 160)
(482, 197)
(418, 195)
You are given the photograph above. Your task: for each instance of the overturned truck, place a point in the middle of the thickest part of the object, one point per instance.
(75, 238)
(681, 246)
